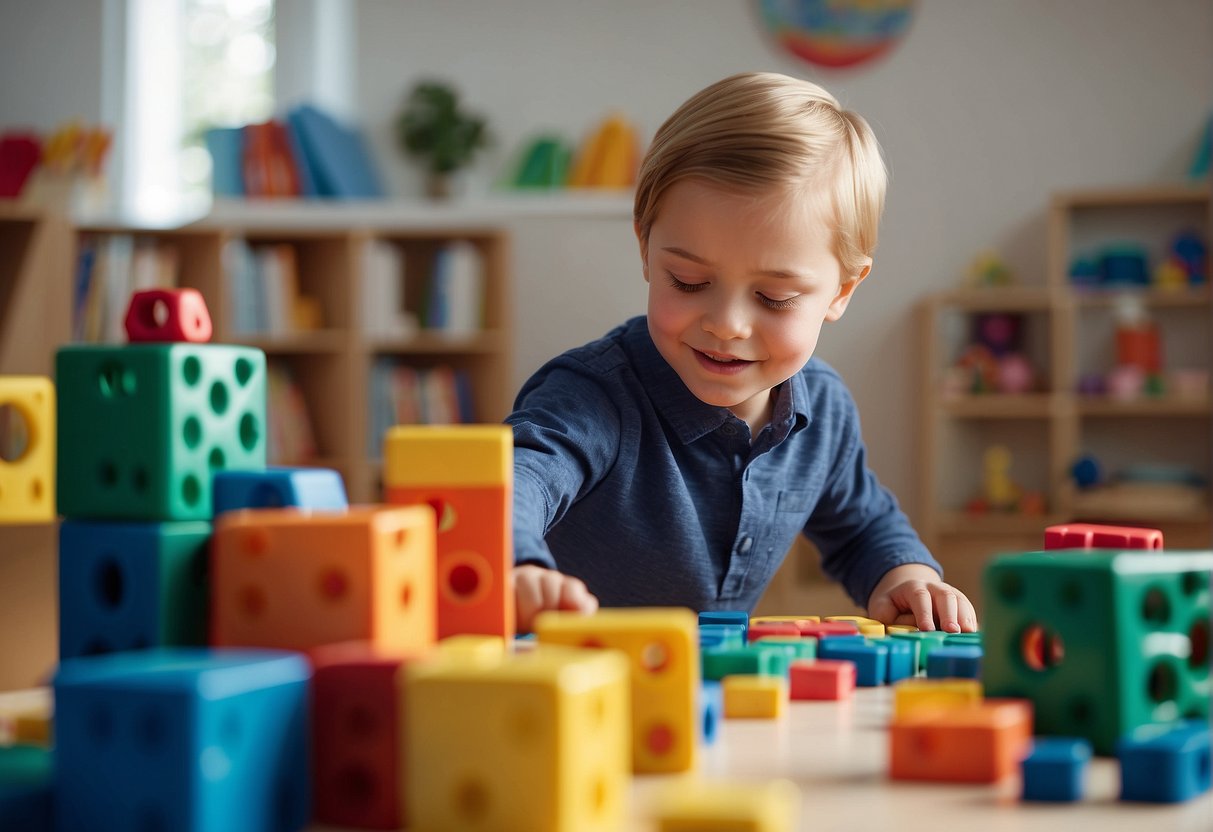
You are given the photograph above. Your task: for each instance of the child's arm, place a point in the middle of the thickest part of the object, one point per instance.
(913, 593)
(537, 589)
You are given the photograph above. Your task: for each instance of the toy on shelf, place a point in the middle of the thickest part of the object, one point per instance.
(1127, 265)
(999, 492)
(993, 361)
(987, 270)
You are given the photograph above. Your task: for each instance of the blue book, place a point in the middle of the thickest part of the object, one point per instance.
(303, 164)
(226, 146)
(338, 158)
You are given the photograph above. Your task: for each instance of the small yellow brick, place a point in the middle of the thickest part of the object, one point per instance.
(475, 648)
(754, 697)
(901, 628)
(780, 619)
(690, 805)
(911, 695)
(458, 455)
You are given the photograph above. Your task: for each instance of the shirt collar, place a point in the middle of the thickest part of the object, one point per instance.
(691, 418)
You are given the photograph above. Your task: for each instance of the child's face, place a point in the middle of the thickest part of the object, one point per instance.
(738, 289)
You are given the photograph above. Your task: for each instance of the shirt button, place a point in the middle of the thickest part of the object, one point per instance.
(743, 548)
(728, 429)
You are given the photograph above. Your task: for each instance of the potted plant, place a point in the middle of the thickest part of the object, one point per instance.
(443, 138)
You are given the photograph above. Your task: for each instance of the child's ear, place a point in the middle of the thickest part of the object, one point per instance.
(643, 240)
(846, 290)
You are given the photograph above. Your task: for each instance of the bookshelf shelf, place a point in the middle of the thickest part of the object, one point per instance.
(302, 343)
(436, 343)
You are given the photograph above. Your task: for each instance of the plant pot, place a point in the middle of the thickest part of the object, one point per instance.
(440, 185)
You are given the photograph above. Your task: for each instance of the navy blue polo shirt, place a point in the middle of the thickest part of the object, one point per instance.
(624, 479)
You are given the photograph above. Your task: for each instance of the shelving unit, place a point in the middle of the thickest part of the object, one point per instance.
(1049, 427)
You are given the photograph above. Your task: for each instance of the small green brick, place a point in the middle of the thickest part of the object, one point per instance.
(1101, 641)
(925, 641)
(798, 648)
(142, 427)
(753, 659)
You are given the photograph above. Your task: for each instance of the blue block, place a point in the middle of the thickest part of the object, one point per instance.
(189, 740)
(1055, 769)
(721, 635)
(903, 658)
(317, 489)
(1165, 763)
(958, 662)
(711, 708)
(734, 617)
(871, 660)
(129, 586)
(26, 787)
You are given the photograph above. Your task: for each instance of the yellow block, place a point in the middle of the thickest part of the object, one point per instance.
(474, 648)
(700, 806)
(452, 455)
(780, 619)
(538, 741)
(911, 695)
(901, 628)
(749, 696)
(32, 729)
(27, 449)
(662, 646)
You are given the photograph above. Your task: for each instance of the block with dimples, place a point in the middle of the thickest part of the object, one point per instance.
(662, 647)
(27, 449)
(466, 473)
(536, 741)
(295, 580)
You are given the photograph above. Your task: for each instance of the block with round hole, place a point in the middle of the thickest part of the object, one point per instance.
(663, 648)
(163, 315)
(537, 741)
(143, 427)
(318, 489)
(27, 449)
(294, 579)
(1166, 763)
(187, 739)
(129, 586)
(466, 472)
(1102, 641)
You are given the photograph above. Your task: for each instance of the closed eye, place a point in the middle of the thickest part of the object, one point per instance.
(771, 303)
(683, 286)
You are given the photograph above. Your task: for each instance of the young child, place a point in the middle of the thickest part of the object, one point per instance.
(673, 461)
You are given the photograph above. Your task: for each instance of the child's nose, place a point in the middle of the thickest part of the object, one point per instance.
(727, 321)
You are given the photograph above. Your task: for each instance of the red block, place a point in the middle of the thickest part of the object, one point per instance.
(168, 315)
(773, 628)
(356, 742)
(1093, 536)
(824, 629)
(821, 679)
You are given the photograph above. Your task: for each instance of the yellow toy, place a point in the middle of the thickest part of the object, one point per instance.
(538, 741)
(701, 806)
(869, 627)
(27, 449)
(913, 695)
(662, 646)
(749, 696)
(1001, 493)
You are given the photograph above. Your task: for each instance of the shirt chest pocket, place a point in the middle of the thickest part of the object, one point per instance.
(794, 501)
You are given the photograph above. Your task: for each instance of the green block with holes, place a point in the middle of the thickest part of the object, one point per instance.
(143, 427)
(1100, 641)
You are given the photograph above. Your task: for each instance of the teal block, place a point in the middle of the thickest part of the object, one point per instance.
(142, 428)
(1102, 642)
(925, 641)
(753, 659)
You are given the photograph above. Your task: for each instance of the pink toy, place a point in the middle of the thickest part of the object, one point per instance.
(1126, 383)
(168, 315)
(1015, 374)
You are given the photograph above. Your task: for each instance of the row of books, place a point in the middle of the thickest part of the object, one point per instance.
(405, 395)
(108, 269)
(263, 291)
(451, 300)
(289, 437)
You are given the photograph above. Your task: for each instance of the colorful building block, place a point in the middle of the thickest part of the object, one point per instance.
(129, 586)
(734, 617)
(797, 647)
(754, 697)
(142, 428)
(1165, 763)
(1055, 770)
(826, 629)
(296, 580)
(901, 659)
(962, 661)
(924, 642)
(821, 679)
(867, 626)
(911, 695)
(1093, 536)
(356, 736)
(1101, 641)
(871, 659)
(979, 744)
(688, 805)
(661, 646)
(721, 635)
(316, 489)
(27, 449)
(466, 472)
(772, 628)
(711, 708)
(184, 739)
(755, 658)
(26, 788)
(538, 741)
(168, 315)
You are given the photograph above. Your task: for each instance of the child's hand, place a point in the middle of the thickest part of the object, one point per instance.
(537, 589)
(914, 594)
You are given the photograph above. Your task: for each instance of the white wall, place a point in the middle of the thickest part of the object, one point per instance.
(983, 110)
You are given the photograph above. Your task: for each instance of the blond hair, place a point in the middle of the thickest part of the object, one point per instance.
(759, 131)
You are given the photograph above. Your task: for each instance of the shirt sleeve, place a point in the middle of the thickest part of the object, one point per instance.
(566, 439)
(857, 524)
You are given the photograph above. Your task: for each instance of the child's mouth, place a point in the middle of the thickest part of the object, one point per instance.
(722, 364)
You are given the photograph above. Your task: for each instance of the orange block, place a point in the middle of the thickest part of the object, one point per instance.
(291, 579)
(981, 743)
(465, 472)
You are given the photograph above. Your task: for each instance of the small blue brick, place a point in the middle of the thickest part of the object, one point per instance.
(903, 656)
(316, 489)
(721, 635)
(871, 659)
(1166, 763)
(1055, 769)
(711, 708)
(734, 617)
(191, 740)
(26, 788)
(958, 662)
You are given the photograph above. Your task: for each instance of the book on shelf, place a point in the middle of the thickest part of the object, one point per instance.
(109, 268)
(263, 290)
(401, 394)
(455, 293)
(290, 439)
(383, 275)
